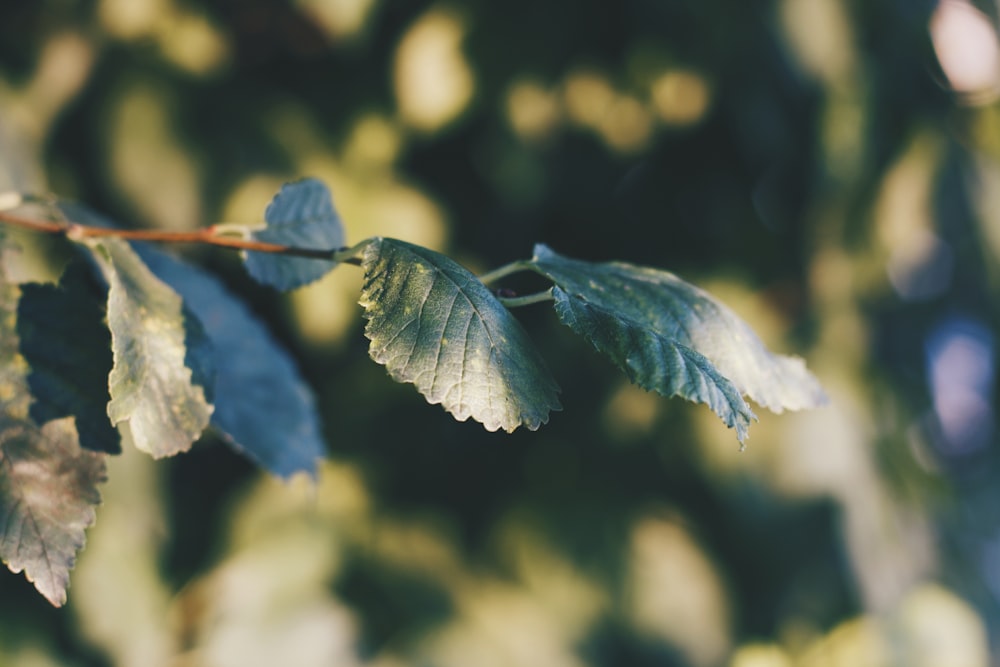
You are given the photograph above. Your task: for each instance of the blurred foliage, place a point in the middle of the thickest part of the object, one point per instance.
(830, 169)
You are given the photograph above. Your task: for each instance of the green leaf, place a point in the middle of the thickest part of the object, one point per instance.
(153, 392)
(262, 405)
(680, 312)
(432, 323)
(67, 346)
(300, 215)
(48, 484)
(655, 362)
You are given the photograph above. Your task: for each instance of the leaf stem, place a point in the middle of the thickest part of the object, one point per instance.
(527, 300)
(505, 270)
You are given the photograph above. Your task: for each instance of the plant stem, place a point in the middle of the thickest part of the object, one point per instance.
(207, 235)
(527, 300)
(505, 270)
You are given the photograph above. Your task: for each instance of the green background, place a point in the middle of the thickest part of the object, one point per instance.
(823, 167)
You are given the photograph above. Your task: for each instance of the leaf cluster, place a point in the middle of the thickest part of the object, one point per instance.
(135, 345)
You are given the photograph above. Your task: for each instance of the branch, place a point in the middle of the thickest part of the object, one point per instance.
(206, 235)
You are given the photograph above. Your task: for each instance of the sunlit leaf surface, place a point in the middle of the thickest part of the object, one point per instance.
(686, 315)
(48, 484)
(301, 215)
(153, 391)
(433, 324)
(655, 362)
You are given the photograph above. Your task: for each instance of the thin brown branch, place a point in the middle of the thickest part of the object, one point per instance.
(206, 236)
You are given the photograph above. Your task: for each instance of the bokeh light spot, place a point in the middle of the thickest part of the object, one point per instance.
(433, 81)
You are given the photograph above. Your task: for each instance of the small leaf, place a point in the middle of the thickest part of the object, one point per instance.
(48, 490)
(67, 346)
(152, 390)
(301, 215)
(682, 313)
(432, 323)
(262, 405)
(655, 362)
(48, 484)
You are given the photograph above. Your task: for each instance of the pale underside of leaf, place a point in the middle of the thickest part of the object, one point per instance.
(682, 313)
(654, 362)
(433, 324)
(152, 389)
(301, 215)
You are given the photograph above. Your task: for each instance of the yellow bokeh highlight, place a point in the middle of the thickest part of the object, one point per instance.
(622, 121)
(860, 642)
(192, 43)
(820, 35)
(674, 592)
(588, 96)
(680, 97)
(150, 163)
(185, 38)
(374, 141)
(433, 81)
(131, 19)
(760, 655)
(904, 223)
(340, 19)
(627, 126)
(631, 412)
(940, 629)
(117, 582)
(499, 625)
(268, 601)
(533, 111)
(551, 578)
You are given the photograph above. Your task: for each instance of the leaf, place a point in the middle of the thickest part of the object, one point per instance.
(301, 215)
(48, 490)
(655, 362)
(680, 312)
(153, 391)
(67, 346)
(48, 484)
(262, 405)
(432, 323)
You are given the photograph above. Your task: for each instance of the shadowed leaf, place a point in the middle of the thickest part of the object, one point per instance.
(300, 215)
(262, 405)
(48, 484)
(433, 324)
(67, 346)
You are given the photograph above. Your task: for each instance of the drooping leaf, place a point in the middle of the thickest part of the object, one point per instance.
(433, 324)
(689, 316)
(300, 215)
(655, 362)
(48, 484)
(67, 345)
(153, 392)
(262, 405)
